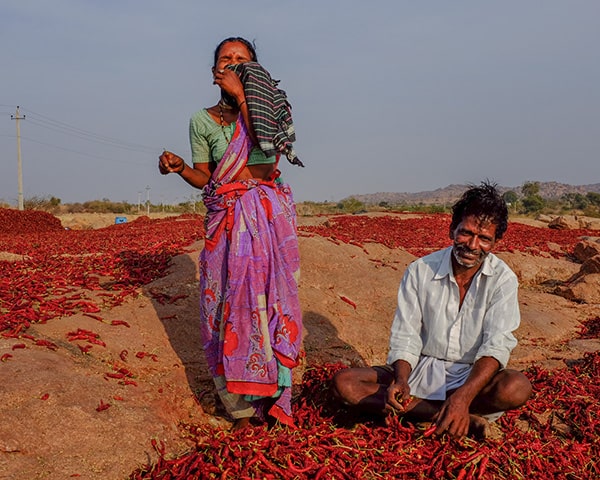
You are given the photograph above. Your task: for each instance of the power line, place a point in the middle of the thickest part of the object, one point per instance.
(42, 121)
(70, 150)
(83, 153)
(92, 139)
(49, 123)
(67, 129)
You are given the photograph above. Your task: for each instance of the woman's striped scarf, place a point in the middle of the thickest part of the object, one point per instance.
(270, 111)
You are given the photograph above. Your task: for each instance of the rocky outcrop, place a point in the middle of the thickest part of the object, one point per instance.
(584, 289)
(563, 223)
(584, 285)
(587, 248)
(544, 218)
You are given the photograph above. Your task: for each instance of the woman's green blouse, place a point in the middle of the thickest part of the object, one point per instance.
(209, 141)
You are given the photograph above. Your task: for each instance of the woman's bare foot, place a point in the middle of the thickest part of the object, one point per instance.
(240, 423)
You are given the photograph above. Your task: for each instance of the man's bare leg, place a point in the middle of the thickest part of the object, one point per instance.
(362, 388)
(509, 389)
(366, 389)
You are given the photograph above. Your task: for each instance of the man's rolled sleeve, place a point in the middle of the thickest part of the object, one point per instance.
(405, 338)
(501, 320)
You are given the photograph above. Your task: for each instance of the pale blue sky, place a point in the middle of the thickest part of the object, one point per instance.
(388, 96)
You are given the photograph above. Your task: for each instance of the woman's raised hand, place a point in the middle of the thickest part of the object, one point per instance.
(170, 163)
(230, 83)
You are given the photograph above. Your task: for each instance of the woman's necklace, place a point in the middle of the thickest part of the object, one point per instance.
(222, 121)
(223, 104)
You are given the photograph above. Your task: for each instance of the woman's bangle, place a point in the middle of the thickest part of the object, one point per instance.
(182, 169)
(240, 105)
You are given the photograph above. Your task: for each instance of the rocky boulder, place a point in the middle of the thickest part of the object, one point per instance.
(584, 289)
(587, 248)
(564, 223)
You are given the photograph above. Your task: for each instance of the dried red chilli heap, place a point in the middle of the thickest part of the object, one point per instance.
(419, 236)
(14, 222)
(554, 436)
(429, 232)
(590, 328)
(64, 271)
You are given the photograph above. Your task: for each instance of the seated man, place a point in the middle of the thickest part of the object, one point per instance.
(451, 337)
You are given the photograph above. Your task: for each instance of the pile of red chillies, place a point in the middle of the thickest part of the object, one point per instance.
(429, 232)
(16, 222)
(555, 435)
(590, 328)
(62, 272)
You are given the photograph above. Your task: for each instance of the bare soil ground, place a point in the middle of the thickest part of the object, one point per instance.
(64, 436)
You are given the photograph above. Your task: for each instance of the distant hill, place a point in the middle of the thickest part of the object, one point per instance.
(451, 193)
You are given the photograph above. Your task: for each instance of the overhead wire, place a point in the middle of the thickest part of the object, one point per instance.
(82, 136)
(81, 153)
(58, 126)
(67, 129)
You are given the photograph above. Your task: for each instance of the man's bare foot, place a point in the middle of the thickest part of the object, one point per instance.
(479, 427)
(240, 423)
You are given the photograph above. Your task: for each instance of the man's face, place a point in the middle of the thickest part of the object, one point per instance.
(473, 241)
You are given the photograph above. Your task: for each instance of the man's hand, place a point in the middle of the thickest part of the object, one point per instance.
(453, 417)
(398, 395)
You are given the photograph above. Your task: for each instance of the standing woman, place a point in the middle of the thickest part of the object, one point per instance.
(251, 320)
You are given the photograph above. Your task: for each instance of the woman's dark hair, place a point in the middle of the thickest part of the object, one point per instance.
(485, 203)
(249, 45)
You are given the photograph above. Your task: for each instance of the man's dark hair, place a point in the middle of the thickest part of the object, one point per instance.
(485, 203)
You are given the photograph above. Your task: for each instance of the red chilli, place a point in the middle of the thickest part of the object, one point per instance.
(430, 430)
(103, 406)
(120, 322)
(348, 301)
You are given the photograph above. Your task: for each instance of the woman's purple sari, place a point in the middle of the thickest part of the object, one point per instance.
(251, 318)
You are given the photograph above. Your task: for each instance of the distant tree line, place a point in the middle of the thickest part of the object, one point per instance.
(527, 202)
(55, 206)
(531, 202)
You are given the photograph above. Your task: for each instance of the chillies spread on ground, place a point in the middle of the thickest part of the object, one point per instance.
(555, 435)
(60, 273)
(92, 270)
(429, 232)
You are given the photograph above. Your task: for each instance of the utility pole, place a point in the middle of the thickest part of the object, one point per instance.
(139, 201)
(17, 117)
(148, 200)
